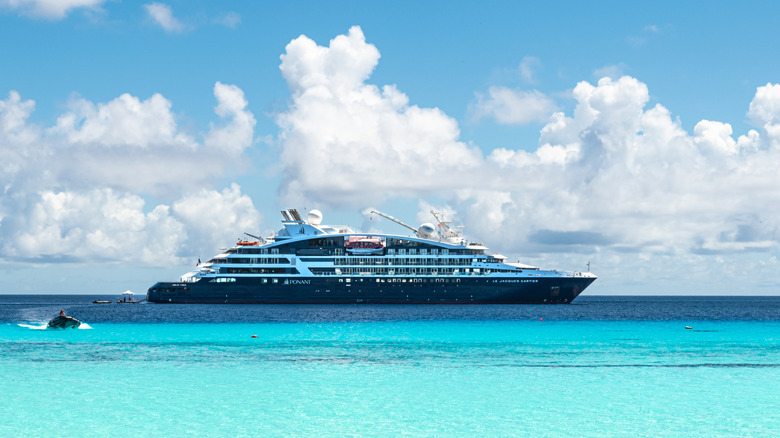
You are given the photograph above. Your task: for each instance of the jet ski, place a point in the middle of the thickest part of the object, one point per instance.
(64, 322)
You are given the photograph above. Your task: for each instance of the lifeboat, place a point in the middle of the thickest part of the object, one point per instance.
(247, 243)
(365, 246)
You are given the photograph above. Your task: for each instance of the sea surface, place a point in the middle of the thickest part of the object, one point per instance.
(601, 366)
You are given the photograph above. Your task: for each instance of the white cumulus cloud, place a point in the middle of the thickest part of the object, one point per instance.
(214, 219)
(94, 226)
(765, 113)
(74, 192)
(613, 179)
(124, 121)
(134, 144)
(101, 225)
(350, 142)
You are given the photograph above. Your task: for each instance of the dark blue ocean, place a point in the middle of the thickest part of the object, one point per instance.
(601, 366)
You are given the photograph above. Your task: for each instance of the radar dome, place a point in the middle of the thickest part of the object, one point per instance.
(426, 230)
(314, 217)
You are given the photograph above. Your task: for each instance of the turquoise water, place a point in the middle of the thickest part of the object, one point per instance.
(438, 377)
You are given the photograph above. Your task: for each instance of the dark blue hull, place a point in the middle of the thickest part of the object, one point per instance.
(64, 322)
(332, 290)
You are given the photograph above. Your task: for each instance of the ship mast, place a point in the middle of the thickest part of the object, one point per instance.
(446, 230)
(387, 216)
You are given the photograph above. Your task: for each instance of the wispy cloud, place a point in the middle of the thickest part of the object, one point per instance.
(648, 32)
(513, 107)
(163, 15)
(50, 9)
(613, 71)
(229, 19)
(528, 67)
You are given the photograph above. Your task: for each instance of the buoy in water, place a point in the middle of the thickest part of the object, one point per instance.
(254, 336)
(687, 327)
(540, 319)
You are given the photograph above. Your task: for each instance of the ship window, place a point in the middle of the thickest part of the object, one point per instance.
(275, 280)
(265, 280)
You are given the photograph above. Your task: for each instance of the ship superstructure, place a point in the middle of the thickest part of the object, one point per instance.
(308, 262)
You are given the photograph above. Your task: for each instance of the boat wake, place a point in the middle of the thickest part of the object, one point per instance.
(44, 326)
(34, 327)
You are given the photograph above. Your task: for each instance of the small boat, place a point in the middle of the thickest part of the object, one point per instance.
(64, 322)
(102, 302)
(126, 298)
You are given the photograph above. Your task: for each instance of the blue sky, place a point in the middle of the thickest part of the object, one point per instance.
(141, 136)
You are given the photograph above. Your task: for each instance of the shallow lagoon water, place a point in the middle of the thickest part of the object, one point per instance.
(603, 366)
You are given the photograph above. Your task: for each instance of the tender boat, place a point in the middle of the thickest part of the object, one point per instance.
(64, 322)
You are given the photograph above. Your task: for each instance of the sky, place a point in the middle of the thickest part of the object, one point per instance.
(644, 139)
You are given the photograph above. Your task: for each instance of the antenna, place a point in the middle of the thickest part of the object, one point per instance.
(387, 216)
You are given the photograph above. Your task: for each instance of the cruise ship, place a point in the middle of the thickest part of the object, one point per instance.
(308, 262)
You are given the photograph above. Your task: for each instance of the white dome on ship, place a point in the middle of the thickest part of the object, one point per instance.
(426, 230)
(314, 217)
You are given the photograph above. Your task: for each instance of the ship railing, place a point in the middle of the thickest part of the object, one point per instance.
(558, 273)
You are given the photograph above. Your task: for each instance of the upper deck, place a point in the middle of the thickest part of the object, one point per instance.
(311, 238)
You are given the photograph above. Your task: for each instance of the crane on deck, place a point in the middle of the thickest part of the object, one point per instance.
(387, 216)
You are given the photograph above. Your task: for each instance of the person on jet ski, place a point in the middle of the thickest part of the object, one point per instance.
(62, 312)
